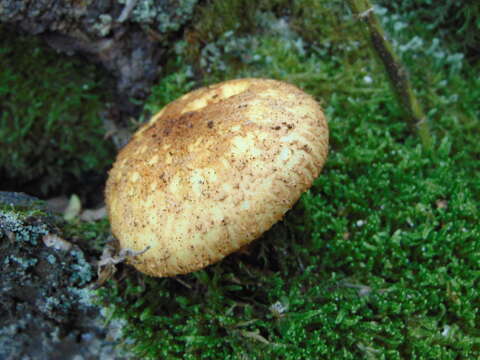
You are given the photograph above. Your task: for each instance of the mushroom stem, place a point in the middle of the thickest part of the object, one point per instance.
(397, 73)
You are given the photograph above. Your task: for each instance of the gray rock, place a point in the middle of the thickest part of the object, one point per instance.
(47, 308)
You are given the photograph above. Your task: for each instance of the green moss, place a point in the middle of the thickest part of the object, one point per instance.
(50, 127)
(340, 30)
(320, 57)
(91, 235)
(215, 18)
(170, 87)
(370, 265)
(455, 23)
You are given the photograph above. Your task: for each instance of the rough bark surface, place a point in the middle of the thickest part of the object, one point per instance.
(128, 37)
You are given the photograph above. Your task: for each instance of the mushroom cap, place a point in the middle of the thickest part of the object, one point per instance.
(212, 171)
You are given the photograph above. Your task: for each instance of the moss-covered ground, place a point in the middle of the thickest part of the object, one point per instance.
(51, 134)
(380, 259)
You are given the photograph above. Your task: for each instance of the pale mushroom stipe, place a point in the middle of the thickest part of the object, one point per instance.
(212, 171)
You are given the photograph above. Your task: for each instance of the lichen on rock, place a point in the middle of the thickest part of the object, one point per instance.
(166, 16)
(45, 301)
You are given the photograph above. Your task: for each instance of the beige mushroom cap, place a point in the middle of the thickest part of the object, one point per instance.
(212, 171)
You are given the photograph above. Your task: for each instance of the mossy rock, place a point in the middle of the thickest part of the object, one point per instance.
(47, 304)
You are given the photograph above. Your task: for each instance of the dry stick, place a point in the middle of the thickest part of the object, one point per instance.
(397, 73)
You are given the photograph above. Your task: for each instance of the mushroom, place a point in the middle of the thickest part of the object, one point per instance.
(212, 171)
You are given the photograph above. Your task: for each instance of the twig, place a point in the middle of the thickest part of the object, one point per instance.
(106, 265)
(127, 10)
(397, 74)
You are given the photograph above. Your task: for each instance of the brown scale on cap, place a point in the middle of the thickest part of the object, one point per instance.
(212, 171)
